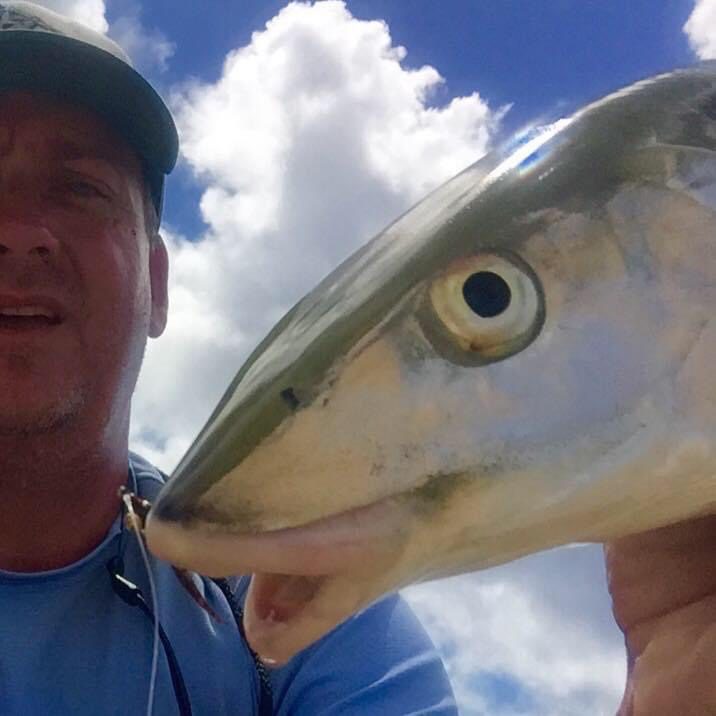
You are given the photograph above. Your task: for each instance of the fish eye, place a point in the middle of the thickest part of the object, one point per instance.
(489, 305)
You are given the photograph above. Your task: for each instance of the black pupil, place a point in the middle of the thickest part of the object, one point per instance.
(486, 293)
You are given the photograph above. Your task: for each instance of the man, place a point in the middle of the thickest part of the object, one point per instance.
(84, 147)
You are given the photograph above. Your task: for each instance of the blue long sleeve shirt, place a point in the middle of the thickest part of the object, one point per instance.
(70, 645)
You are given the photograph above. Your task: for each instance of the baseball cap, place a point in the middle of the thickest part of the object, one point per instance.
(42, 50)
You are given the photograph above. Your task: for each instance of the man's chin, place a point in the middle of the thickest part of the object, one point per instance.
(27, 418)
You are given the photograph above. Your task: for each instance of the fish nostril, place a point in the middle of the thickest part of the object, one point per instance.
(289, 397)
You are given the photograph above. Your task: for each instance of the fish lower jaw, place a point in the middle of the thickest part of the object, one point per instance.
(305, 580)
(330, 545)
(275, 604)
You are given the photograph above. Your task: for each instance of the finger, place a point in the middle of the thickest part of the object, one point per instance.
(675, 671)
(661, 571)
(677, 536)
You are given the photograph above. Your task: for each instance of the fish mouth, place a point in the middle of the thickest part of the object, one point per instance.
(326, 545)
(305, 579)
(274, 609)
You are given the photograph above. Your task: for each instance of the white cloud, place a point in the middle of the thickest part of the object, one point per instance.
(541, 627)
(149, 49)
(701, 29)
(90, 12)
(315, 135)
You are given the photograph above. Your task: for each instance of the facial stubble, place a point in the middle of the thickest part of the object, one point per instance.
(59, 410)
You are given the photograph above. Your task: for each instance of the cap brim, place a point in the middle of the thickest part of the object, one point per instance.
(81, 73)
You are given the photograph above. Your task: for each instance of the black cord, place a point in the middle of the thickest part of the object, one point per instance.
(130, 594)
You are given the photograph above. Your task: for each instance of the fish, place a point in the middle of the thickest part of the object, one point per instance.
(523, 360)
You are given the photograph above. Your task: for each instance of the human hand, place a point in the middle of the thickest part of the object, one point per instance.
(663, 587)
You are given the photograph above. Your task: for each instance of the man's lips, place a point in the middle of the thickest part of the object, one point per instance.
(29, 313)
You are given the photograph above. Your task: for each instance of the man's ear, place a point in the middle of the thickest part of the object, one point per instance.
(159, 277)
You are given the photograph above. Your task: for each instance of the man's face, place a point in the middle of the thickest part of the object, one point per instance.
(81, 285)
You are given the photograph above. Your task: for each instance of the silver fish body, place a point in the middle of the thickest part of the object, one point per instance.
(522, 360)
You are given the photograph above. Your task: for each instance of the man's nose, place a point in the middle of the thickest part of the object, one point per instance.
(26, 238)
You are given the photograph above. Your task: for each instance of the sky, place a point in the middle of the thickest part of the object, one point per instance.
(305, 128)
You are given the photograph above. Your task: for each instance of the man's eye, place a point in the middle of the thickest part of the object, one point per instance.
(80, 186)
(86, 189)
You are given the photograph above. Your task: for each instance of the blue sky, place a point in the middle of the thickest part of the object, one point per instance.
(305, 129)
(538, 54)
(533, 54)
(544, 58)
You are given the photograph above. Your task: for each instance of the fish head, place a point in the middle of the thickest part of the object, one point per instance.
(522, 360)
